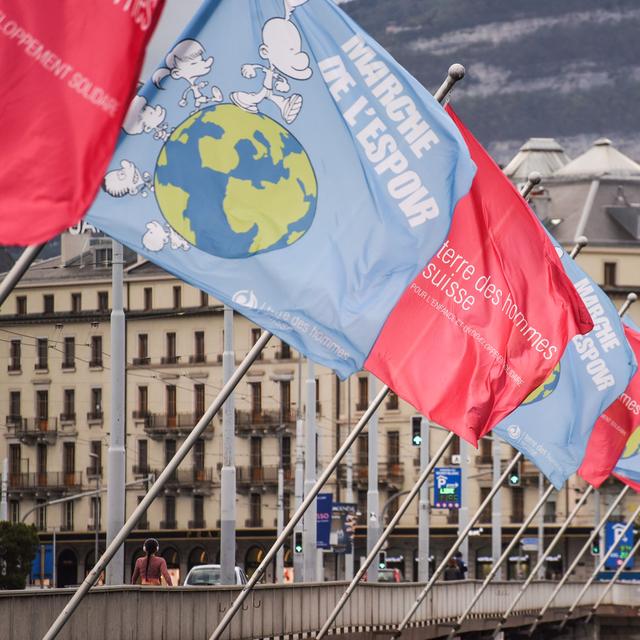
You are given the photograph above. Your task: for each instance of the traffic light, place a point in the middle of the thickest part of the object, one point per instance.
(514, 477)
(416, 435)
(297, 542)
(382, 560)
(595, 547)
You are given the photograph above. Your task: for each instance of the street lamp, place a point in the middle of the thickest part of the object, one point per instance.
(96, 505)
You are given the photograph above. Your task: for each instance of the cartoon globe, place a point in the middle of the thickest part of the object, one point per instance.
(235, 184)
(546, 388)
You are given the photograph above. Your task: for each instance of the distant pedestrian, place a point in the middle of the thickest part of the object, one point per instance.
(462, 567)
(452, 571)
(150, 567)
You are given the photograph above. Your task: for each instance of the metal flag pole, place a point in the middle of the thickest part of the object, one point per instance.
(298, 558)
(455, 73)
(228, 471)
(309, 535)
(18, 270)
(385, 534)
(156, 488)
(441, 567)
(496, 504)
(373, 495)
(581, 243)
(613, 580)
(574, 564)
(348, 558)
(597, 570)
(300, 511)
(542, 559)
(503, 557)
(631, 298)
(116, 500)
(533, 180)
(423, 507)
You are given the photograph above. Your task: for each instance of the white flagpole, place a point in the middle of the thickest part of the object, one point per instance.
(597, 570)
(18, 270)
(576, 560)
(156, 488)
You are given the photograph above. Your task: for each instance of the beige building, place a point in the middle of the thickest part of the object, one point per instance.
(55, 339)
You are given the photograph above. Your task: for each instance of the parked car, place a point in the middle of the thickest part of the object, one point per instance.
(206, 575)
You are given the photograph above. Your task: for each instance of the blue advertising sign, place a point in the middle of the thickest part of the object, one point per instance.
(324, 504)
(447, 487)
(343, 524)
(622, 544)
(45, 572)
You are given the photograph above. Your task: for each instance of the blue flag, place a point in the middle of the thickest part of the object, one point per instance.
(553, 424)
(282, 161)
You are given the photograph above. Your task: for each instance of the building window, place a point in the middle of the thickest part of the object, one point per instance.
(285, 351)
(42, 355)
(171, 357)
(204, 299)
(286, 453)
(41, 462)
(255, 510)
(198, 400)
(95, 464)
(198, 512)
(549, 514)
(47, 303)
(285, 400)
(199, 355)
(15, 411)
(96, 514)
(69, 461)
(198, 455)
(485, 516)
(256, 399)
(172, 404)
(14, 511)
(363, 451)
(392, 401)
(96, 404)
(76, 302)
(67, 516)
(143, 523)
(68, 405)
(485, 451)
(255, 336)
(318, 405)
(104, 257)
(15, 461)
(169, 450)
(610, 274)
(96, 351)
(255, 452)
(41, 515)
(393, 447)
(143, 459)
(286, 506)
(169, 512)
(177, 297)
(42, 408)
(143, 349)
(69, 353)
(362, 501)
(143, 402)
(363, 394)
(148, 298)
(103, 300)
(15, 355)
(21, 305)
(517, 504)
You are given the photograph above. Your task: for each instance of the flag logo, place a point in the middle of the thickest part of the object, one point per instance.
(633, 444)
(514, 431)
(245, 166)
(546, 388)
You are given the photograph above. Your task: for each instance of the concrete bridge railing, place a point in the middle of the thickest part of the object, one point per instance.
(184, 613)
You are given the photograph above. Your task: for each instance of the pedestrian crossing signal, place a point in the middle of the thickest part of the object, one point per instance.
(416, 435)
(297, 542)
(382, 560)
(595, 548)
(514, 477)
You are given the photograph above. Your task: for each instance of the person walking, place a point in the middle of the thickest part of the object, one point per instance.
(452, 571)
(150, 567)
(462, 567)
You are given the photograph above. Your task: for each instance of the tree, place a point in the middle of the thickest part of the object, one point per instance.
(18, 545)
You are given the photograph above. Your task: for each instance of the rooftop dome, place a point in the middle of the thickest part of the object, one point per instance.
(600, 160)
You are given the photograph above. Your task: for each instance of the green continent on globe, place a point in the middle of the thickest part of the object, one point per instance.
(546, 388)
(235, 184)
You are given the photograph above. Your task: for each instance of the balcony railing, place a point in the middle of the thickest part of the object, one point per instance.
(95, 416)
(248, 421)
(257, 475)
(169, 359)
(95, 363)
(41, 366)
(142, 361)
(94, 472)
(141, 470)
(193, 478)
(67, 417)
(69, 364)
(482, 459)
(159, 425)
(45, 480)
(36, 429)
(253, 522)
(168, 524)
(197, 524)
(517, 517)
(391, 473)
(198, 358)
(14, 366)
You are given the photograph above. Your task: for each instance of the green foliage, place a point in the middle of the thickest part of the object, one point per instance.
(18, 545)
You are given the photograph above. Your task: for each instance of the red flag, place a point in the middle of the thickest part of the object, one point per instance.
(614, 428)
(69, 69)
(487, 319)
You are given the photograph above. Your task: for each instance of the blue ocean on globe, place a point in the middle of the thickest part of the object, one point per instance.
(235, 184)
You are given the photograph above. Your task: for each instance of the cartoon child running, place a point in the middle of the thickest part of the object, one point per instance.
(127, 181)
(282, 48)
(187, 61)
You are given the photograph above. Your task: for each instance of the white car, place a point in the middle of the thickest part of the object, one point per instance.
(206, 575)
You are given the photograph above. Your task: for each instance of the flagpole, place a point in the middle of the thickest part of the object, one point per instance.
(631, 298)
(597, 570)
(455, 73)
(503, 557)
(156, 488)
(533, 180)
(300, 511)
(542, 559)
(373, 495)
(613, 580)
(441, 567)
(576, 560)
(18, 270)
(581, 243)
(385, 534)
